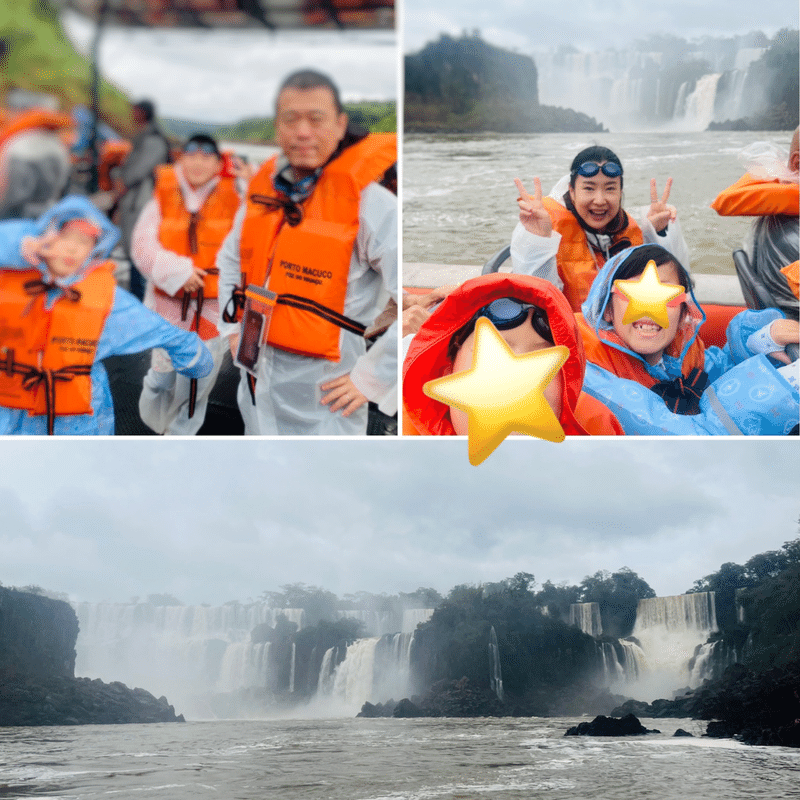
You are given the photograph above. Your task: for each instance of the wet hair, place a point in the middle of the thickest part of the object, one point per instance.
(636, 263)
(595, 153)
(310, 79)
(463, 333)
(203, 138)
(148, 109)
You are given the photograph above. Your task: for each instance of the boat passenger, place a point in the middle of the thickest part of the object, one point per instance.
(747, 387)
(175, 244)
(61, 314)
(149, 148)
(769, 192)
(34, 161)
(319, 233)
(568, 236)
(443, 345)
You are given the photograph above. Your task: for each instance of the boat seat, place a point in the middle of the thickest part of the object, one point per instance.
(493, 264)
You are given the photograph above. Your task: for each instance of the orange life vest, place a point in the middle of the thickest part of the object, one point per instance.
(577, 263)
(308, 265)
(46, 355)
(198, 236)
(624, 365)
(33, 119)
(793, 279)
(756, 197)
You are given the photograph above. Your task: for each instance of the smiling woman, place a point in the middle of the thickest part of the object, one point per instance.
(568, 236)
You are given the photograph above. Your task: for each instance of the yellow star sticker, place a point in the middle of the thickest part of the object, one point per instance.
(502, 392)
(648, 297)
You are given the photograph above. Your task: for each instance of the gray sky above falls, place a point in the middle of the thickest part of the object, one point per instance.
(213, 521)
(590, 25)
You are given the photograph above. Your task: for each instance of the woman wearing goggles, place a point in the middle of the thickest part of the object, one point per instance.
(530, 314)
(568, 236)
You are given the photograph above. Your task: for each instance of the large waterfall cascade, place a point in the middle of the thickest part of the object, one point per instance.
(667, 649)
(373, 670)
(627, 89)
(167, 649)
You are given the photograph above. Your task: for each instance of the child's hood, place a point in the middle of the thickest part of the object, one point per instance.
(600, 295)
(76, 207)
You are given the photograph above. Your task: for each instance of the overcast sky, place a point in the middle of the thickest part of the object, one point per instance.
(225, 76)
(590, 24)
(215, 521)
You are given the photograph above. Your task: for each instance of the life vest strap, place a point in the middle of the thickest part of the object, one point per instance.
(33, 376)
(292, 212)
(237, 300)
(304, 304)
(38, 286)
(192, 396)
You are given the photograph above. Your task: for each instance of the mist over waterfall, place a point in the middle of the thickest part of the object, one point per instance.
(658, 85)
(176, 650)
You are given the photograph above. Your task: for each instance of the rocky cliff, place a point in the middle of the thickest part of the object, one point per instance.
(37, 665)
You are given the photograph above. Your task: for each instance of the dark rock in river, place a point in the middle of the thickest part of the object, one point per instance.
(79, 701)
(682, 732)
(628, 725)
(37, 664)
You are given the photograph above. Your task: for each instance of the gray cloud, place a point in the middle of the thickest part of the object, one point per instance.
(590, 24)
(216, 521)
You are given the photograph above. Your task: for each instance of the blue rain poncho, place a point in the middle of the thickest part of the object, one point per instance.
(746, 393)
(129, 328)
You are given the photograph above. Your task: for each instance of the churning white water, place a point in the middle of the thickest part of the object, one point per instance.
(386, 759)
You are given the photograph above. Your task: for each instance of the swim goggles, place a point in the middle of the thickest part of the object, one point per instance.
(590, 168)
(201, 147)
(507, 313)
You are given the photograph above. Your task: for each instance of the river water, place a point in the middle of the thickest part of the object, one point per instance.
(385, 759)
(459, 198)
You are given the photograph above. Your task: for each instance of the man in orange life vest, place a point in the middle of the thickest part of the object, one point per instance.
(175, 243)
(320, 233)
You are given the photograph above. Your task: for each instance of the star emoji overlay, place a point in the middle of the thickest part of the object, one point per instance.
(648, 297)
(502, 392)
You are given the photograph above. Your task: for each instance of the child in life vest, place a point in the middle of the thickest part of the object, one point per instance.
(530, 314)
(61, 314)
(663, 380)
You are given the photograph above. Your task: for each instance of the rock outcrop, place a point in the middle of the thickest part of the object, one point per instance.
(37, 666)
(628, 725)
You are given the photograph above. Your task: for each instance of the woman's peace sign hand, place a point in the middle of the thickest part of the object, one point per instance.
(532, 213)
(661, 214)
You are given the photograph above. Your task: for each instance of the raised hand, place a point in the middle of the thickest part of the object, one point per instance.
(661, 214)
(532, 213)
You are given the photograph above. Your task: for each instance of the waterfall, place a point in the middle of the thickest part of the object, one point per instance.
(632, 89)
(292, 667)
(586, 616)
(375, 670)
(176, 650)
(495, 675)
(669, 629)
(415, 616)
(695, 110)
